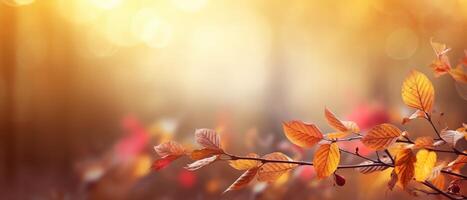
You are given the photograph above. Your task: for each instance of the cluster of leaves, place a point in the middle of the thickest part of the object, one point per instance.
(415, 162)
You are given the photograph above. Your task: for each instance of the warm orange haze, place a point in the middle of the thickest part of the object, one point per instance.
(233, 99)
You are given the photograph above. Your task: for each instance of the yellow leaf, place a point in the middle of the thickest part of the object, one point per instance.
(426, 160)
(381, 136)
(326, 159)
(424, 142)
(405, 166)
(243, 180)
(418, 92)
(245, 164)
(301, 134)
(333, 121)
(271, 171)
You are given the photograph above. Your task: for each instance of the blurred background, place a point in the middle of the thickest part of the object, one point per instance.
(87, 87)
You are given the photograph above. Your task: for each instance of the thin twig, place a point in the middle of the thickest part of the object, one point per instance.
(428, 184)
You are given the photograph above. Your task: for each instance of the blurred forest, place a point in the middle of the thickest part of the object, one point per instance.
(88, 87)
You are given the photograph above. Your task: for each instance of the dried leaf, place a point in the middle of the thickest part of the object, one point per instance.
(424, 142)
(451, 136)
(243, 180)
(405, 166)
(169, 148)
(418, 92)
(381, 136)
(208, 138)
(245, 164)
(201, 163)
(426, 160)
(271, 171)
(351, 126)
(333, 121)
(441, 64)
(392, 182)
(415, 115)
(371, 169)
(301, 134)
(204, 153)
(326, 159)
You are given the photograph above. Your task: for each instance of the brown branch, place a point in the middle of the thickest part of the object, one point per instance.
(428, 184)
(234, 157)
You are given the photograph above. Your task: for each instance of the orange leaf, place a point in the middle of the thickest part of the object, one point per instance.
(405, 166)
(242, 164)
(381, 136)
(418, 92)
(337, 135)
(392, 182)
(326, 159)
(333, 121)
(458, 163)
(208, 138)
(439, 182)
(243, 180)
(301, 134)
(271, 171)
(204, 153)
(426, 160)
(169, 148)
(424, 142)
(458, 74)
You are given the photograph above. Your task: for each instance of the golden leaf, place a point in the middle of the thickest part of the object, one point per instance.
(271, 171)
(243, 180)
(426, 160)
(418, 92)
(204, 153)
(242, 164)
(208, 138)
(424, 142)
(333, 121)
(405, 166)
(381, 136)
(326, 159)
(301, 134)
(337, 135)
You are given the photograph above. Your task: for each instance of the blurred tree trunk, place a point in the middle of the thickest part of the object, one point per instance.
(7, 84)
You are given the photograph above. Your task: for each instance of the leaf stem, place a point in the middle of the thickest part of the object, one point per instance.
(428, 184)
